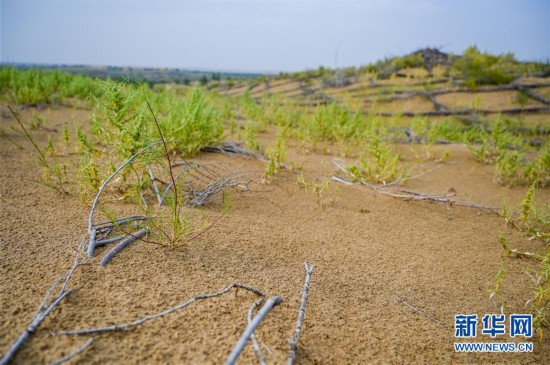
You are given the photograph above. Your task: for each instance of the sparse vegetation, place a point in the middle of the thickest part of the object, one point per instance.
(536, 223)
(478, 68)
(379, 163)
(145, 149)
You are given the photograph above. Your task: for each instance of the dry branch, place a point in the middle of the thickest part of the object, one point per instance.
(137, 322)
(259, 353)
(91, 231)
(107, 225)
(44, 309)
(268, 306)
(110, 240)
(462, 112)
(408, 195)
(74, 354)
(154, 181)
(534, 95)
(422, 313)
(115, 250)
(232, 149)
(301, 315)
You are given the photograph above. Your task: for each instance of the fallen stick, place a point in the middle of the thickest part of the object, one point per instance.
(422, 313)
(31, 328)
(102, 187)
(43, 311)
(301, 315)
(410, 195)
(232, 149)
(137, 322)
(115, 250)
(74, 354)
(110, 240)
(268, 306)
(91, 243)
(462, 112)
(154, 181)
(110, 224)
(261, 357)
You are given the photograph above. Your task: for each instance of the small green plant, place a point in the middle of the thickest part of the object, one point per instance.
(318, 188)
(276, 155)
(536, 222)
(495, 293)
(522, 99)
(507, 168)
(508, 152)
(66, 136)
(251, 136)
(85, 146)
(37, 121)
(271, 169)
(538, 170)
(379, 163)
(50, 149)
(89, 178)
(53, 175)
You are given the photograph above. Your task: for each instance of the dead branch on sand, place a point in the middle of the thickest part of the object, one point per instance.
(74, 354)
(44, 309)
(91, 230)
(115, 250)
(202, 185)
(422, 313)
(259, 353)
(301, 315)
(232, 149)
(137, 322)
(268, 306)
(408, 195)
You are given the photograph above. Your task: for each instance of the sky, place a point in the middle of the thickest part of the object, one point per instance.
(264, 35)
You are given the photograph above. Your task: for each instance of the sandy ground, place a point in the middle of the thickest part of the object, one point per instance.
(367, 249)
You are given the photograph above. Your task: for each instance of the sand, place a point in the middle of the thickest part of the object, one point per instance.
(370, 253)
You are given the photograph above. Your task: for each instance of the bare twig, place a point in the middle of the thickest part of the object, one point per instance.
(153, 180)
(177, 208)
(232, 149)
(91, 243)
(32, 328)
(44, 309)
(96, 199)
(111, 224)
(268, 306)
(137, 322)
(301, 315)
(115, 250)
(110, 240)
(422, 313)
(261, 357)
(74, 354)
(411, 195)
(398, 181)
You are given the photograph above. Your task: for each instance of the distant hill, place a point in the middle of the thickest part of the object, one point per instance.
(147, 74)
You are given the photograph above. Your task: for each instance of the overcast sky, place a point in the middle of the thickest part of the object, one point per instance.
(264, 35)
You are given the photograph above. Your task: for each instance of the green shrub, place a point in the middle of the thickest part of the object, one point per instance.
(379, 163)
(189, 123)
(479, 68)
(36, 86)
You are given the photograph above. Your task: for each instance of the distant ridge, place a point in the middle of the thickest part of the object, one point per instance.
(151, 75)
